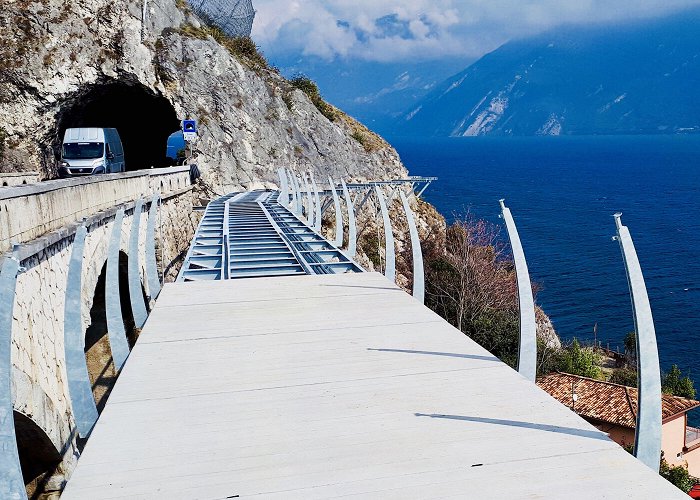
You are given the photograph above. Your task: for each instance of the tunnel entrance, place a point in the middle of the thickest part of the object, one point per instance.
(143, 118)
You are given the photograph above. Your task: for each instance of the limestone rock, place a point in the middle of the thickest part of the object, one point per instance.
(58, 58)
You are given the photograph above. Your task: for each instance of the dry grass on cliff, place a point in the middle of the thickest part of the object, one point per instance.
(241, 47)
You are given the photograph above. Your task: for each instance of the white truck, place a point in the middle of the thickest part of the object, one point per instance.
(88, 151)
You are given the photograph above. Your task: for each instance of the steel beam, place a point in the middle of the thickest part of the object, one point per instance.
(115, 322)
(352, 226)
(418, 272)
(79, 386)
(527, 346)
(138, 307)
(647, 438)
(317, 215)
(423, 189)
(11, 482)
(390, 270)
(151, 266)
(338, 216)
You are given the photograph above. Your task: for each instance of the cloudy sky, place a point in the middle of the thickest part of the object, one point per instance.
(402, 30)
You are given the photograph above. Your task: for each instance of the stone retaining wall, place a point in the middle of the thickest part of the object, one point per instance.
(30, 211)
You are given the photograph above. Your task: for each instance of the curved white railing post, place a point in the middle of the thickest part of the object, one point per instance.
(284, 188)
(527, 345)
(296, 195)
(390, 271)
(418, 272)
(138, 306)
(11, 482)
(308, 214)
(647, 438)
(115, 321)
(151, 264)
(79, 387)
(352, 226)
(317, 212)
(338, 215)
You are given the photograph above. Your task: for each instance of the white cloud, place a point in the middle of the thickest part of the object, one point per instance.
(392, 30)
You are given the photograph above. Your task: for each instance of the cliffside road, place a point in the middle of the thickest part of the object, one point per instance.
(321, 386)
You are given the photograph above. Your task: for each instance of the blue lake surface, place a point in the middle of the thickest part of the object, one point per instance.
(563, 192)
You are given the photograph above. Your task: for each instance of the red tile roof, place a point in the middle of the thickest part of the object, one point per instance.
(607, 402)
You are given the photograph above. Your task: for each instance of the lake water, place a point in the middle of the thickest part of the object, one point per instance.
(563, 192)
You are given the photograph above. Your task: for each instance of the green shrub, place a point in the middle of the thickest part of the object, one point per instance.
(309, 87)
(624, 376)
(677, 475)
(579, 360)
(675, 383)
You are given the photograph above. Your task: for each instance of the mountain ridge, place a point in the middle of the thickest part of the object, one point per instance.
(637, 79)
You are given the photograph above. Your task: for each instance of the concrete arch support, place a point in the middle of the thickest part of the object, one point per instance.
(390, 271)
(115, 322)
(151, 266)
(338, 215)
(418, 272)
(79, 386)
(647, 438)
(527, 346)
(11, 481)
(138, 307)
(352, 225)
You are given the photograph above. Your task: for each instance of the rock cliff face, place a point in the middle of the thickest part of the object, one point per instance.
(141, 70)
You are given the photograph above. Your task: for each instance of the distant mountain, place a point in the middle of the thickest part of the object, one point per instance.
(638, 79)
(375, 93)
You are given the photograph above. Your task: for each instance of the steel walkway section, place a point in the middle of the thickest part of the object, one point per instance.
(325, 386)
(250, 234)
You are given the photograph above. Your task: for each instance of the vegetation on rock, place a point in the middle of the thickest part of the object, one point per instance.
(676, 475)
(309, 87)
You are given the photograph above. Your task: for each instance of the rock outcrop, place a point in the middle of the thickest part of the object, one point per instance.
(79, 63)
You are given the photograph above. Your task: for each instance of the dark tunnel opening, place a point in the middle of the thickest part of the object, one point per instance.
(143, 118)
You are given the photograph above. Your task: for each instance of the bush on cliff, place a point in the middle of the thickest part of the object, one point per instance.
(471, 284)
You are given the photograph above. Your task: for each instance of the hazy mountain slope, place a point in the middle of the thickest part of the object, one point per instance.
(643, 78)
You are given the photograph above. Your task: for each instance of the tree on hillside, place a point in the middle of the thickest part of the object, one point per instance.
(631, 349)
(473, 286)
(579, 360)
(675, 383)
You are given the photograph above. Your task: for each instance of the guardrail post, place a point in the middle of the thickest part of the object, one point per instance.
(527, 345)
(79, 386)
(338, 215)
(138, 307)
(418, 272)
(647, 438)
(11, 481)
(151, 266)
(352, 225)
(115, 322)
(390, 271)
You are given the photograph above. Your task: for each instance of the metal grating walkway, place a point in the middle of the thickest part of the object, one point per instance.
(251, 235)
